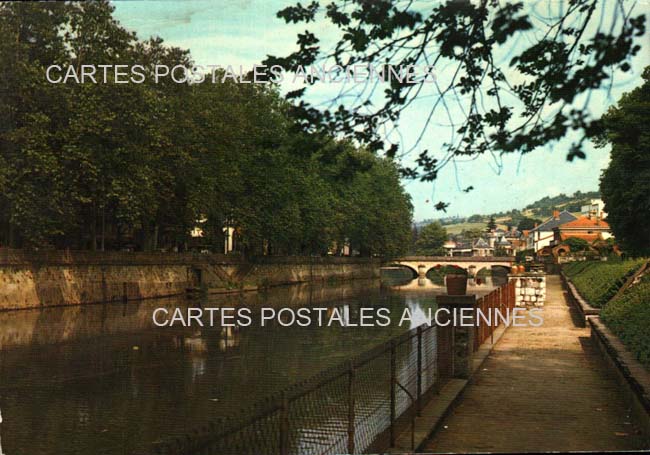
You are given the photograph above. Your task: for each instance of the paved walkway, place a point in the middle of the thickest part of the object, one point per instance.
(541, 389)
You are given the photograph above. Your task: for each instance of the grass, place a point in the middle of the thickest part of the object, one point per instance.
(460, 227)
(599, 281)
(628, 316)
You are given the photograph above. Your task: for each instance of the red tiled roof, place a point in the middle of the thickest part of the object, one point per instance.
(585, 222)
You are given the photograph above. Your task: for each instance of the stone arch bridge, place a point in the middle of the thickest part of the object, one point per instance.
(420, 265)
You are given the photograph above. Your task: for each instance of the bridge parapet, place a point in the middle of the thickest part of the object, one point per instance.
(500, 259)
(421, 265)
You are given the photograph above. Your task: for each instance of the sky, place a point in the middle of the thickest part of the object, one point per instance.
(244, 32)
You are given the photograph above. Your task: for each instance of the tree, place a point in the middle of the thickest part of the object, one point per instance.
(415, 234)
(527, 224)
(472, 234)
(576, 244)
(492, 225)
(504, 67)
(105, 166)
(378, 212)
(432, 238)
(625, 183)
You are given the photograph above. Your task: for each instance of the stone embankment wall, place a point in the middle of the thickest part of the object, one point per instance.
(55, 278)
(530, 289)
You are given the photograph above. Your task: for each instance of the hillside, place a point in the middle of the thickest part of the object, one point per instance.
(544, 207)
(540, 209)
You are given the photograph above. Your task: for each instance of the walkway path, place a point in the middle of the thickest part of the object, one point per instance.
(541, 389)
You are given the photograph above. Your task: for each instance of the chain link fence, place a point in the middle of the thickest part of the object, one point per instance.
(344, 409)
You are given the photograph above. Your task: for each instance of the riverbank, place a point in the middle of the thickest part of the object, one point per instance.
(62, 278)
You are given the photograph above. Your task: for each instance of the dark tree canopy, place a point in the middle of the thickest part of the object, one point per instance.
(431, 239)
(492, 225)
(510, 77)
(625, 183)
(143, 166)
(576, 244)
(527, 223)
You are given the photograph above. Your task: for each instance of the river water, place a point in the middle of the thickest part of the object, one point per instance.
(103, 379)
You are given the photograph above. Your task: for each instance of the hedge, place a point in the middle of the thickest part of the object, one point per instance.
(628, 316)
(599, 281)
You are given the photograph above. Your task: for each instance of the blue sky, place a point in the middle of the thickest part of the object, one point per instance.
(243, 32)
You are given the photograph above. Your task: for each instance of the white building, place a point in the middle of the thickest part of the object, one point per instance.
(543, 235)
(595, 209)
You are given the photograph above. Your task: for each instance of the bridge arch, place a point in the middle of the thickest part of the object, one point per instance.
(409, 267)
(422, 265)
(503, 268)
(457, 267)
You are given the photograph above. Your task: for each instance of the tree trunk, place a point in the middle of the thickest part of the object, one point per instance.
(154, 241)
(103, 227)
(93, 230)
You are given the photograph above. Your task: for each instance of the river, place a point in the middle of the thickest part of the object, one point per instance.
(103, 379)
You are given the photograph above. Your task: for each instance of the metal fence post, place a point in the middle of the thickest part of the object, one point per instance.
(419, 376)
(284, 425)
(492, 326)
(393, 378)
(351, 427)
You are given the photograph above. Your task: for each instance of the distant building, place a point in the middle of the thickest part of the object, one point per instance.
(585, 228)
(493, 235)
(457, 248)
(449, 247)
(595, 209)
(504, 244)
(542, 235)
(517, 240)
(482, 248)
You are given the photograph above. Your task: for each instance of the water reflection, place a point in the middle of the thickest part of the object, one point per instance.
(1, 452)
(103, 379)
(401, 278)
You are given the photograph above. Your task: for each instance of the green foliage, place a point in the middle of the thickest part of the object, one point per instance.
(552, 61)
(521, 255)
(576, 244)
(599, 281)
(492, 225)
(572, 269)
(378, 211)
(473, 234)
(431, 239)
(437, 274)
(526, 224)
(540, 209)
(606, 248)
(545, 206)
(140, 165)
(625, 183)
(628, 317)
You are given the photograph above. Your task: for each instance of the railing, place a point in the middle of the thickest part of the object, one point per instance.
(13, 257)
(345, 409)
(501, 300)
(503, 259)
